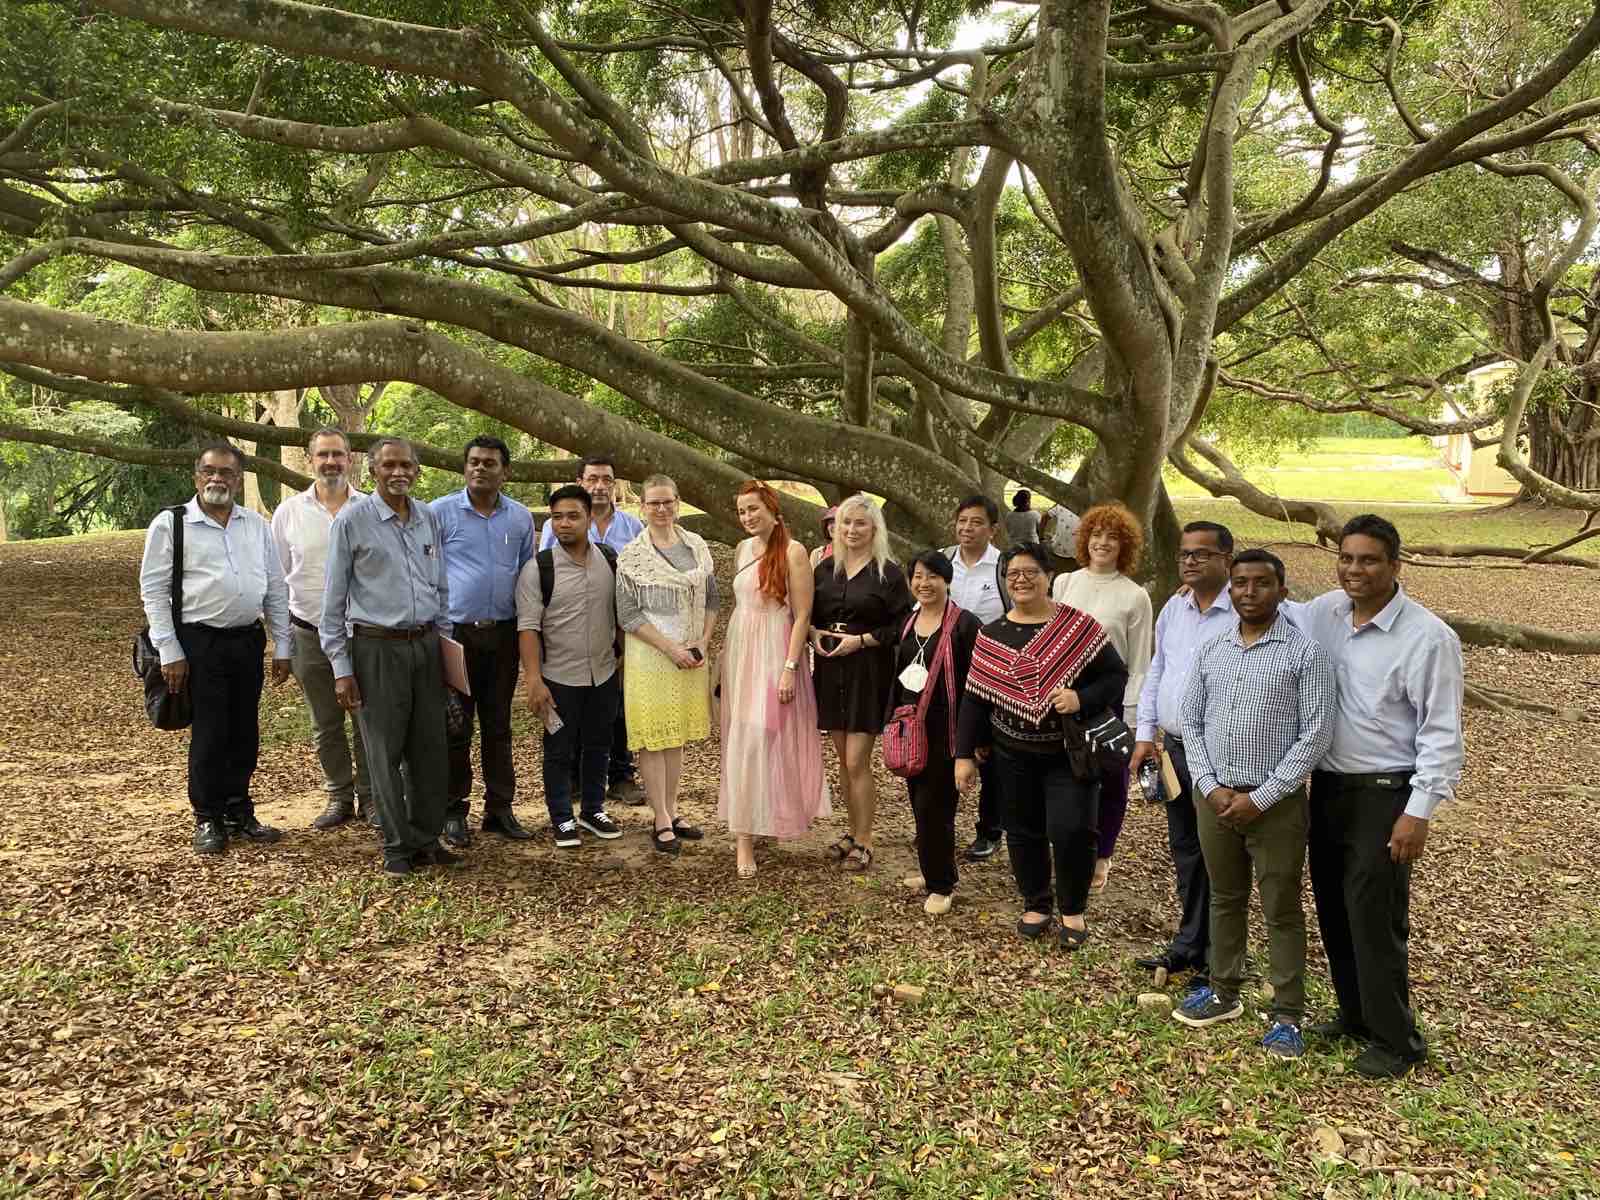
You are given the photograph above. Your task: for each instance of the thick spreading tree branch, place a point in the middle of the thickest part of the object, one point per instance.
(142, 456)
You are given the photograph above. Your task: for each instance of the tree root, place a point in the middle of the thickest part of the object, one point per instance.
(1507, 703)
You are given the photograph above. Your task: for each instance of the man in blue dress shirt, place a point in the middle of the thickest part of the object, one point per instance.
(1396, 756)
(487, 537)
(608, 526)
(385, 602)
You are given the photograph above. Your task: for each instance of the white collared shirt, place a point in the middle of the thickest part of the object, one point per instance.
(231, 577)
(976, 589)
(300, 531)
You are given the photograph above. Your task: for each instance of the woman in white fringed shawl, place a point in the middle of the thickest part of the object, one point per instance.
(667, 605)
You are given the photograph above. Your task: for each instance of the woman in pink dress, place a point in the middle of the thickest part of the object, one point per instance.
(772, 779)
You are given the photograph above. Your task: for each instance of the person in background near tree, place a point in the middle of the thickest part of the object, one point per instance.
(667, 602)
(609, 526)
(1036, 674)
(977, 587)
(1396, 756)
(940, 631)
(1257, 714)
(861, 603)
(1189, 619)
(487, 538)
(1062, 524)
(1022, 522)
(772, 782)
(826, 549)
(384, 607)
(569, 653)
(1109, 541)
(300, 529)
(231, 579)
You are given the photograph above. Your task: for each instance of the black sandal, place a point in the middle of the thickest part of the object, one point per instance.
(841, 849)
(666, 847)
(685, 830)
(1033, 929)
(1072, 938)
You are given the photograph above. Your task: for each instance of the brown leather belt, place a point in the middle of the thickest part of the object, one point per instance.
(410, 634)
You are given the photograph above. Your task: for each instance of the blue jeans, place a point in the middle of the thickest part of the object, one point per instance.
(582, 746)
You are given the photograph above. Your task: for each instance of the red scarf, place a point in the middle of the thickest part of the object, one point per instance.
(1020, 681)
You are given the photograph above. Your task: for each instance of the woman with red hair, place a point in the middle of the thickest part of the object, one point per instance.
(772, 779)
(1108, 543)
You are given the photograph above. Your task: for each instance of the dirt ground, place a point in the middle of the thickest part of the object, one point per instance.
(96, 862)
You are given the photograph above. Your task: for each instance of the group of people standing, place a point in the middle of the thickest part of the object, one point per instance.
(1015, 683)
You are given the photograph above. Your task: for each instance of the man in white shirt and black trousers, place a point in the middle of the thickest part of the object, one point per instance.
(231, 577)
(1396, 756)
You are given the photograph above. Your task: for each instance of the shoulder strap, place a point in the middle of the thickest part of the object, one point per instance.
(177, 565)
(1000, 583)
(607, 553)
(547, 575)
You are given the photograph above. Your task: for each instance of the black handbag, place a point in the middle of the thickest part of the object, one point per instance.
(166, 709)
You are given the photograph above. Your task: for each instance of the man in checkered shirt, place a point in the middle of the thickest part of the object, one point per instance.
(1257, 716)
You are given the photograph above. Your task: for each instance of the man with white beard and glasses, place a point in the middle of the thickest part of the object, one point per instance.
(385, 605)
(230, 579)
(300, 527)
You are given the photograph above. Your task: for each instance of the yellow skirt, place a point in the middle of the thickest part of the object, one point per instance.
(664, 707)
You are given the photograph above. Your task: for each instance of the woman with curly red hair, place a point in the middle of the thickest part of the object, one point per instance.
(772, 779)
(1108, 543)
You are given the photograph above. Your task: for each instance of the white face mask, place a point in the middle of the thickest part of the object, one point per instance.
(915, 677)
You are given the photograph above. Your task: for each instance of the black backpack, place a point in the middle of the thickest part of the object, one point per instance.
(167, 710)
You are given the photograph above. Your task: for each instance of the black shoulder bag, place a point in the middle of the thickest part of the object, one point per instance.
(166, 709)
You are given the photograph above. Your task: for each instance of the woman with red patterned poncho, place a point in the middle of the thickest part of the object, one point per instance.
(1036, 674)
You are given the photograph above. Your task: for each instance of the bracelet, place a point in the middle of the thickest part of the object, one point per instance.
(790, 665)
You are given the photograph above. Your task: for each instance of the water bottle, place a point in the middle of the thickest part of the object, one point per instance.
(1150, 780)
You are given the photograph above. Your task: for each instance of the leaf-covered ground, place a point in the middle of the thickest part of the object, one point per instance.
(284, 1021)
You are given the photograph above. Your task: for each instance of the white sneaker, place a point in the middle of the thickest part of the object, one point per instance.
(936, 905)
(914, 883)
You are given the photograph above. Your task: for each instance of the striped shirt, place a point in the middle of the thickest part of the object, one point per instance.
(1257, 718)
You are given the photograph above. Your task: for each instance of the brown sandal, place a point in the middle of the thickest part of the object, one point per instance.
(858, 859)
(841, 849)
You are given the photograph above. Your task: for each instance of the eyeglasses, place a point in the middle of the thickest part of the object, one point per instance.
(1021, 576)
(216, 472)
(659, 503)
(1200, 557)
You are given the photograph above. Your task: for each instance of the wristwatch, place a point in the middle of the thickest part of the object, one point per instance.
(790, 665)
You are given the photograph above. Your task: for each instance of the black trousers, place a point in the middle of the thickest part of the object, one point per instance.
(1191, 945)
(581, 749)
(991, 822)
(492, 663)
(225, 678)
(1363, 902)
(933, 806)
(619, 766)
(403, 724)
(1052, 821)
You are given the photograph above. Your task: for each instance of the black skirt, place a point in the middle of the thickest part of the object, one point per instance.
(853, 692)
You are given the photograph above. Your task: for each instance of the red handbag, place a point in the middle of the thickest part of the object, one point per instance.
(905, 737)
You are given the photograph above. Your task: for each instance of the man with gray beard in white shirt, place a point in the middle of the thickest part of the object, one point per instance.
(230, 578)
(1396, 756)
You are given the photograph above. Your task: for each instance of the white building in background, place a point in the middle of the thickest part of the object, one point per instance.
(1475, 469)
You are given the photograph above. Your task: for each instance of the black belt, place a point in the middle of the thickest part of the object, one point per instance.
(406, 634)
(225, 630)
(1372, 779)
(299, 624)
(485, 624)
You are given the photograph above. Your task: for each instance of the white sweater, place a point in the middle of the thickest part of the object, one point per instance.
(1123, 608)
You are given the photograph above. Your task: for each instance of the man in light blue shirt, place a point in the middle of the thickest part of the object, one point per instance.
(1396, 756)
(487, 538)
(1188, 621)
(385, 603)
(608, 526)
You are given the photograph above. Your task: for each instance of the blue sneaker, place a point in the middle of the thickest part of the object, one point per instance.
(1202, 1007)
(1284, 1040)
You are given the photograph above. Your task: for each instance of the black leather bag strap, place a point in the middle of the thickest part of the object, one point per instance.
(177, 511)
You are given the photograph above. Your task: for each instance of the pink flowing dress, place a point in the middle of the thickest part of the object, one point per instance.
(773, 783)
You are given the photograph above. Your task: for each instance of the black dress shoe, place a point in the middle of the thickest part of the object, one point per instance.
(1336, 1030)
(455, 832)
(397, 866)
(335, 815)
(210, 837)
(1165, 961)
(254, 830)
(437, 856)
(505, 823)
(1379, 1062)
